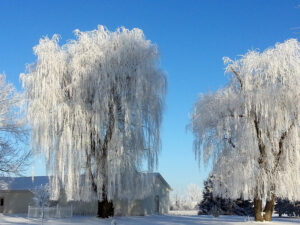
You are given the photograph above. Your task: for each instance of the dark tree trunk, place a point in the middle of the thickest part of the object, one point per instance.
(258, 210)
(105, 208)
(99, 152)
(269, 208)
(261, 161)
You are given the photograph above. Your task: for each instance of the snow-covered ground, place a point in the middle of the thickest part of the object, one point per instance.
(183, 212)
(144, 220)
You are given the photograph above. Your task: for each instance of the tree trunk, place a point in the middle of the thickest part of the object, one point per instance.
(258, 210)
(269, 208)
(105, 208)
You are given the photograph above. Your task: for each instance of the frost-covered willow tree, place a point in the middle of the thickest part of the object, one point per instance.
(95, 106)
(250, 128)
(13, 132)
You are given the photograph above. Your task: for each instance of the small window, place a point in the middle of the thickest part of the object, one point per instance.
(1, 202)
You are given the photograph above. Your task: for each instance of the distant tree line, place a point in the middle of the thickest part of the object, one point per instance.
(188, 200)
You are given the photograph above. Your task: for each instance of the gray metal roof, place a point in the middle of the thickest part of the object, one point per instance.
(30, 183)
(159, 176)
(22, 183)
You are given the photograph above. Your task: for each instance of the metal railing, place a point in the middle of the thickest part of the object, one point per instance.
(50, 212)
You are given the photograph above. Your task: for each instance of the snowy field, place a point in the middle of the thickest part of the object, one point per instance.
(145, 220)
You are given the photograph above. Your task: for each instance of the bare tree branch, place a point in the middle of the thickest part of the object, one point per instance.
(238, 76)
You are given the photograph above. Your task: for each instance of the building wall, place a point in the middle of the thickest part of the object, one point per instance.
(16, 201)
(163, 193)
(146, 206)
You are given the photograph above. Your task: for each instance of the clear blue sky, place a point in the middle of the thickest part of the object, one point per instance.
(192, 36)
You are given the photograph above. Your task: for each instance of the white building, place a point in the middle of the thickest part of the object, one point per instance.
(16, 195)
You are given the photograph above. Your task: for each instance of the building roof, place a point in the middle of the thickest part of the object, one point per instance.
(30, 183)
(22, 183)
(160, 177)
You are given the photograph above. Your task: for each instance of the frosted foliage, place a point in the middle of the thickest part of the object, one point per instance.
(95, 106)
(41, 195)
(186, 200)
(193, 195)
(250, 128)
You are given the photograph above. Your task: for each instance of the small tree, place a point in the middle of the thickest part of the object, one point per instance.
(250, 128)
(13, 133)
(208, 200)
(41, 195)
(213, 205)
(95, 105)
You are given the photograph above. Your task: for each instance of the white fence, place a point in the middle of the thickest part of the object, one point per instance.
(50, 212)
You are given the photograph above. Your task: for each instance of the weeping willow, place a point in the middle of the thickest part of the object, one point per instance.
(95, 107)
(250, 128)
